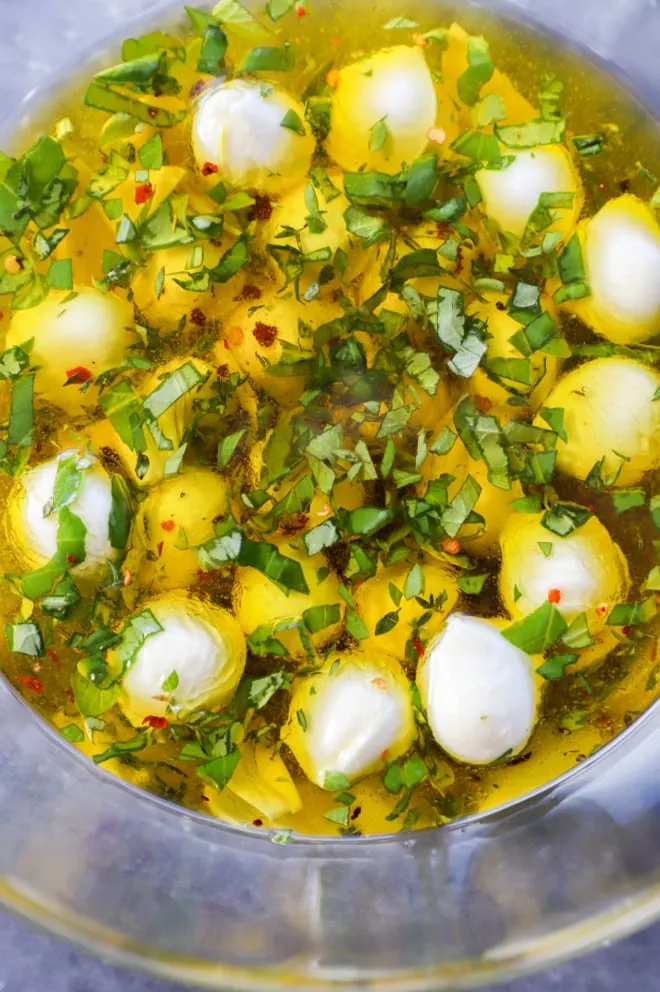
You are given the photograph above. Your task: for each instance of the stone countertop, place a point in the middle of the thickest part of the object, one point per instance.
(28, 958)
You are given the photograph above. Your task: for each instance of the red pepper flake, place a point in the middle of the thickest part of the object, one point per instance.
(262, 208)
(250, 292)
(159, 548)
(128, 577)
(257, 823)
(442, 230)
(152, 111)
(156, 722)
(418, 646)
(226, 344)
(143, 193)
(335, 42)
(53, 657)
(28, 680)
(209, 169)
(78, 374)
(168, 525)
(483, 404)
(265, 334)
(222, 371)
(300, 10)
(451, 546)
(554, 595)
(420, 41)
(627, 630)
(602, 609)
(72, 560)
(384, 754)
(197, 88)
(197, 317)
(459, 260)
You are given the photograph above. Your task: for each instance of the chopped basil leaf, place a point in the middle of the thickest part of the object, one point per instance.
(479, 71)
(554, 417)
(632, 614)
(212, 55)
(422, 179)
(25, 638)
(356, 626)
(588, 144)
(171, 389)
(400, 23)
(538, 631)
(444, 442)
(228, 446)
(73, 733)
(532, 133)
(233, 260)
(317, 618)
(628, 499)
(220, 770)
(90, 700)
(135, 632)
(121, 513)
(268, 59)
(461, 506)
(577, 635)
(563, 518)
(472, 585)
(292, 121)
(554, 667)
(378, 135)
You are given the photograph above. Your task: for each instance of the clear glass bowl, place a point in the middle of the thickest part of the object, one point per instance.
(129, 876)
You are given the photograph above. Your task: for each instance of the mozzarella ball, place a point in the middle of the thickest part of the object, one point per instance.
(166, 311)
(610, 414)
(493, 503)
(34, 536)
(584, 572)
(479, 691)
(202, 643)
(258, 601)
(621, 251)
(394, 86)
(259, 335)
(174, 422)
(543, 369)
(512, 193)
(262, 780)
(237, 126)
(178, 516)
(373, 601)
(94, 331)
(292, 211)
(350, 718)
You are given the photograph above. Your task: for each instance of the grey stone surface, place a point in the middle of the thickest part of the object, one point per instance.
(33, 45)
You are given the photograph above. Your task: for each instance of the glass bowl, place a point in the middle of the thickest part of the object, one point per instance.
(127, 875)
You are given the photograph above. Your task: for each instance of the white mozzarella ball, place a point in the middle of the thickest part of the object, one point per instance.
(511, 194)
(584, 572)
(93, 330)
(34, 535)
(479, 691)
(237, 126)
(394, 86)
(350, 719)
(622, 260)
(609, 413)
(202, 643)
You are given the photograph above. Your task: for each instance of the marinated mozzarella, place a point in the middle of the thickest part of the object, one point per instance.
(350, 718)
(611, 420)
(621, 252)
(199, 642)
(505, 372)
(512, 193)
(584, 572)
(237, 129)
(478, 690)
(86, 334)
(177, 516)
(34, 527)
(373, 600)
(382, 110)
(260, 603)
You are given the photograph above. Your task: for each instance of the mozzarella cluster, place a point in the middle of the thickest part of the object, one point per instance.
(202, 644)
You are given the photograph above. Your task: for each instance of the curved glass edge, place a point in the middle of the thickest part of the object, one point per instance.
(123, 874)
